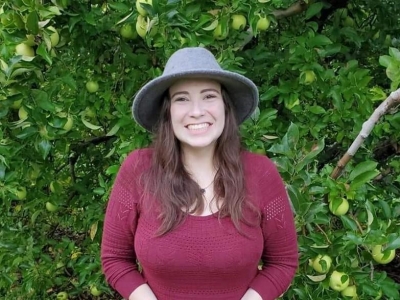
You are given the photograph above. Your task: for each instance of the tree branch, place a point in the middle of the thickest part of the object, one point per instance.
(294, 9)
(367, 127)
(77, 149)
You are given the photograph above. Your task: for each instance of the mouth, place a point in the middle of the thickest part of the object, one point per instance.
(198, 126)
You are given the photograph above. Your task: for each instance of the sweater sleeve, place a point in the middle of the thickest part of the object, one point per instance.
(118, 255)
(280, 254)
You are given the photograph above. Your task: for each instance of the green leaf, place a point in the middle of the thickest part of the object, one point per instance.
(35, 216)
(362, 168)
(113, 130)
(314, 9)
(296, 198)
(386, 208)
(385, 60)
(42, 99)
(319, 40)
(32, 23)
(90, 125)
(394, 242)
(26, 132)
(316, 149)
(363, 178)
(44, 148)
(348, 223)
(292, 136)
(316, 109)
(112, 170)
(70, 81)
(41, 50)
(393, 72)
(2, 171)
(394, 53)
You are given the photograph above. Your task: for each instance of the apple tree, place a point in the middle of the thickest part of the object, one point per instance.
(69, 70)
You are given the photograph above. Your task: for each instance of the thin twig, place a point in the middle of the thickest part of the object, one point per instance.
(323, 232)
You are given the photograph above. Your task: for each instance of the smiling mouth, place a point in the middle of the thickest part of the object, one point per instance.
(198, 126)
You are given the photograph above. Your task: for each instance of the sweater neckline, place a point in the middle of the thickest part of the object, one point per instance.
(206, 217)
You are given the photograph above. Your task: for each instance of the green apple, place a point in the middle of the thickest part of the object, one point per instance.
(51, 207)
(68, 125)
(308, 76)
(141, 26)
(348, 21)
(62, 296)
(322, 263)
(338, 281)
(382, 257)
(22, 113)
(30, 40)
(350, 292)
(238, 22)
(127, 31)
(263, 24)
(95, 291)
(45, 134)
(92, 86)
(60, 265)
(24, 50)
(54, 36)
(217, 33)
(53, 186)
(341, 210)
(21, 193)
(89, 112)
(16, 104)
(139, 8)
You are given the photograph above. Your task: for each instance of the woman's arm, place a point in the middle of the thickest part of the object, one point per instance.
(251, 295)
(118, 255)
(280, 254)
(143, 292)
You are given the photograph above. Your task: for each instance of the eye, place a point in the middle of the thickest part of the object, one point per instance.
(210, 96)
(180, 99)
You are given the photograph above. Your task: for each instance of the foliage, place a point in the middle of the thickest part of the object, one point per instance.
(320, 72)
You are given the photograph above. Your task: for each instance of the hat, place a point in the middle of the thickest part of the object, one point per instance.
(193, 62)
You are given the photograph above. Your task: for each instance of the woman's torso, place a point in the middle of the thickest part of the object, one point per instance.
(203, 258)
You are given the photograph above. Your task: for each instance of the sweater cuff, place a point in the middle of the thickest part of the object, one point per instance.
(128, 283)
(265, 289)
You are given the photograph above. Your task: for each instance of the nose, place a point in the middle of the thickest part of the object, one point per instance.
(196, 108)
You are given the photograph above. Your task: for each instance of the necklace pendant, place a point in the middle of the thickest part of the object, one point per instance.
(202, 191)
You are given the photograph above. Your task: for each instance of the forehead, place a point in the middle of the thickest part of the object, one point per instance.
(193, 84)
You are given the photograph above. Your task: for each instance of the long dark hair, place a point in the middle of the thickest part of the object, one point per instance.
(171, 185)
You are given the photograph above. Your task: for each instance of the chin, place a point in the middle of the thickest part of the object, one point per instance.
(198, 145)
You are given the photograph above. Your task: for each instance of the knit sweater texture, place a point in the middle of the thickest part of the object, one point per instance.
(205, 257)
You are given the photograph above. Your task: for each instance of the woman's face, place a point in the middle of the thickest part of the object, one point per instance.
(197, 112)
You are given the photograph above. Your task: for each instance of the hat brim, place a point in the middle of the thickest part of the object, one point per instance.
(147, 102)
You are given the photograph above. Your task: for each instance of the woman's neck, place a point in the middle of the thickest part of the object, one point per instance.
(200, 164)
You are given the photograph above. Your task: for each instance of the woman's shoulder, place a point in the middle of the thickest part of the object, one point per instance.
(257, 164)
(138, 160)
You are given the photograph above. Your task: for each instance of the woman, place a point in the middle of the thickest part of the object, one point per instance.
(193, 216)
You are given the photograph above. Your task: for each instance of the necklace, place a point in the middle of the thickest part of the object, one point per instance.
(203, 190)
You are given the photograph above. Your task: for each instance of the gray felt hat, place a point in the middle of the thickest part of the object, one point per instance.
(193, 62)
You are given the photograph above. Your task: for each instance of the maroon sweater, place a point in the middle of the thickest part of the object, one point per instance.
(205, 257)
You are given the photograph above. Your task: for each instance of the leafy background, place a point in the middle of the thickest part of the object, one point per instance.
(322, 67)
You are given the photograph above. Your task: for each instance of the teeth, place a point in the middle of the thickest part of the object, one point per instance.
(198, 126)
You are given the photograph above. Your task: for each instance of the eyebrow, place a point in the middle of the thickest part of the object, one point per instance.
(202, 91)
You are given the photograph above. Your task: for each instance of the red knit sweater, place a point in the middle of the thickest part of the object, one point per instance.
(205, 257)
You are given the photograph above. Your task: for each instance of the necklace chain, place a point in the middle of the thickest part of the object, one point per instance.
(203, 190)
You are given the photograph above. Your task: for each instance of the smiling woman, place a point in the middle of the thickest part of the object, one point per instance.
(196, 210)
(197, 112)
